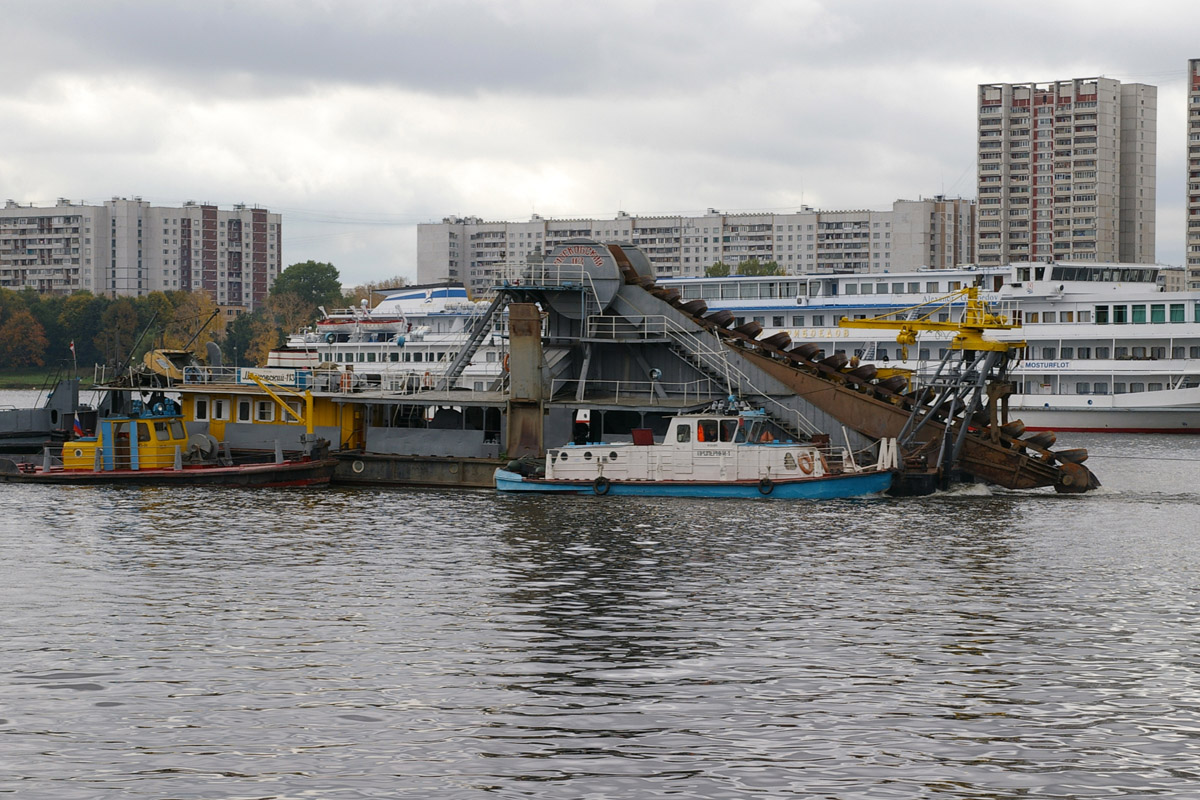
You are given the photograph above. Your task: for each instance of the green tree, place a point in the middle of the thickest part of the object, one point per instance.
(718, 269)
(79, 319)
(315, 283)
(752, 266)
(22, 340)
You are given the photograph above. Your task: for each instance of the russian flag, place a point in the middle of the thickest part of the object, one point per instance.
(78, 427)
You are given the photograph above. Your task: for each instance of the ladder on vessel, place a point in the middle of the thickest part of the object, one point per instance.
(479, 331)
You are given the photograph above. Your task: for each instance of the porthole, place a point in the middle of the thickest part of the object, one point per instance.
(78, 453)
(588, 455)
(612, 456)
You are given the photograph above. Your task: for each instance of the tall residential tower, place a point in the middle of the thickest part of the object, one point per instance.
(1192, 249)
(1067, 171)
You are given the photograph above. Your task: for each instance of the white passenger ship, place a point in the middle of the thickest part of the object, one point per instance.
(404, 343)
(1107, 348)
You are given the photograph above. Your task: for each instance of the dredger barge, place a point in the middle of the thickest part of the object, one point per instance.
(585, 327)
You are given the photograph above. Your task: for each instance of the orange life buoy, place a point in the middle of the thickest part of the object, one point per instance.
(506, 362)
(427, 381)
(805, 462)
(346, 379)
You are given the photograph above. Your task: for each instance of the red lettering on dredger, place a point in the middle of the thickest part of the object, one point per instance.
(570, 255)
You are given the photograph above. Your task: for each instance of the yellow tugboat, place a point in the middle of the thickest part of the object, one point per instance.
(151, 445)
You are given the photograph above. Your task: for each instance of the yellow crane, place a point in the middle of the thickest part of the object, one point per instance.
(968, 332)
(972, 375)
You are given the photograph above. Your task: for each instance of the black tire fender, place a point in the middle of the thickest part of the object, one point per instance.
(601, 485)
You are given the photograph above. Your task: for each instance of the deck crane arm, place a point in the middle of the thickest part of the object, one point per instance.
(968, 332)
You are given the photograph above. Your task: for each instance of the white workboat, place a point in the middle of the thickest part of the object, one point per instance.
(710, 454)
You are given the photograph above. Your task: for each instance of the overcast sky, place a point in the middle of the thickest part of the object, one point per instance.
(357, 119)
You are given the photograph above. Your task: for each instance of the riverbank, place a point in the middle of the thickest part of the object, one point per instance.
(35, 378)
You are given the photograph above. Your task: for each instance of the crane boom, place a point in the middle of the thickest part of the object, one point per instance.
(968, 332)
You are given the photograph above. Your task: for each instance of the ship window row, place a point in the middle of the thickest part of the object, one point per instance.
(218, 409)
(1119, 352)
(1136, 313)
(394, 357)
(1119, 387)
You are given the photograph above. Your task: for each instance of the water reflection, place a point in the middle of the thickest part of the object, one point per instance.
(373, 643)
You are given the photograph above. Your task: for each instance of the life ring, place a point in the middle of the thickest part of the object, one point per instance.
(766, 486)
(505, 363)
(330, 338)
(357, 466)
(805, 462)
(347, 380)
(427, 380)
(600, 485)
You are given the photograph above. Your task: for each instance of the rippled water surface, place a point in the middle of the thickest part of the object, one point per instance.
(344, 644)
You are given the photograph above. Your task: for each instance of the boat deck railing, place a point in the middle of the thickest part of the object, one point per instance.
(648, 328)
(683, 394)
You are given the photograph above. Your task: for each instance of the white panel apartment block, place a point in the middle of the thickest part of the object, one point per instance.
(129, 248)
(935, 233)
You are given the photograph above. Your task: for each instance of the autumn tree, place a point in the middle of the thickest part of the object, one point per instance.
(367, 291)
(119, 326)
(22, 340)
(290, 312)
(192, 320)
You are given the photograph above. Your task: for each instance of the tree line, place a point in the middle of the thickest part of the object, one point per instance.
(45, 330)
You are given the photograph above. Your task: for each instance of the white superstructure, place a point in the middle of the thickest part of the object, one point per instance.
(1107, 349)
(406, 342)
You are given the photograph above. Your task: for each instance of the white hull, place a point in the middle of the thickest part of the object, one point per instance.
(1170, 411)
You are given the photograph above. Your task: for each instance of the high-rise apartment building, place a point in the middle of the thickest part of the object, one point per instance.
(1066, 171)
(130, 248)
(1192, 248)
(936, 233)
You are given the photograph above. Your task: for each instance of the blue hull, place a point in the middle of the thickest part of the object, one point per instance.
(827, 488)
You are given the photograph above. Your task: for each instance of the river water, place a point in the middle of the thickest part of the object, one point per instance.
(411, 643)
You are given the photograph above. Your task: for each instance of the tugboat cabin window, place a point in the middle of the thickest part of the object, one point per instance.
(706, 431)
(160, 430)
(266, 411)
(201, 414)
(220, 408)
(143, 431)
(732, 431)
(683, 433)
(176, 428)
(244, 410)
